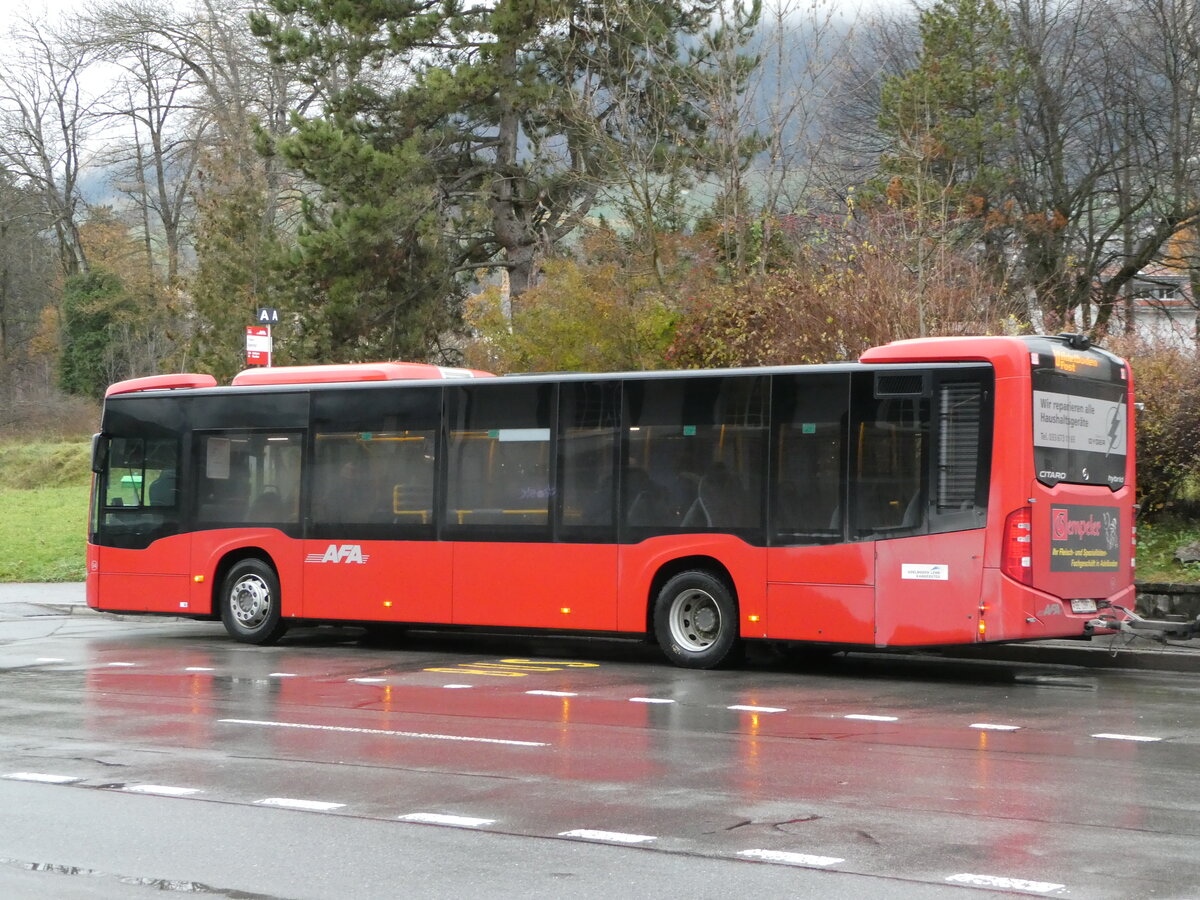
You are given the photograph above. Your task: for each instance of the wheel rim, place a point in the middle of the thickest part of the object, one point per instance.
(250, 601)
(695, 620)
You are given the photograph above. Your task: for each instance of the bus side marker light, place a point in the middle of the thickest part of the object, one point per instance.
(199, 579)
(565, 610)
(753, 618)
(387, 604)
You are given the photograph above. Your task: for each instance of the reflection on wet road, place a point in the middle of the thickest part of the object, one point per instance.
(982, 775)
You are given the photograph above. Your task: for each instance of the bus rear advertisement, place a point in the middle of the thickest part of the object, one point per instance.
(937, 492)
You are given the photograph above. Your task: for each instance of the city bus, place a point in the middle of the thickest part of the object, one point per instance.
(941, 491)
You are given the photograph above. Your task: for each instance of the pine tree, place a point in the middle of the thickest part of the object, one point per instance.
(453, 136)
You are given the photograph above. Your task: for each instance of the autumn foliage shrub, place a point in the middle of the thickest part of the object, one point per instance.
(1167, 384)
(849, 286)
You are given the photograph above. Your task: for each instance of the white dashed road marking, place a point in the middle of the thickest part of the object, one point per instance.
(613, 837)
(650, 700)
(292, 803)
(410, 734)
(43, 778)
(1008, 884)
(440, 819)
(162, 790)
(764, 709)
(987, 726)
(1126, 737)
(791, 859)
(866, 718)
(552, 693)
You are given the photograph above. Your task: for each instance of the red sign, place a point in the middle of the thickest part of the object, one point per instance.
(258, 345)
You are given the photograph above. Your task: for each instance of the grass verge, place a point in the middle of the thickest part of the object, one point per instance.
(1157, 543)
(43, 533)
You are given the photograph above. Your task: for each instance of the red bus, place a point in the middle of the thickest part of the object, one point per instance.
(937, 492)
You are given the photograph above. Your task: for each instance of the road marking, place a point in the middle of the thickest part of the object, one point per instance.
(366, 680)
(1011, 884)
(510, 668)
(1126, 737)
(199, 669)
(43, 778)
(987, 726)
(120, 665)
(291, 803)
(650, 700)
(757, 708)
(615, 837)
(866, 718)
(457, 687)
(412, 734)
(791, 859)
(160, 789)
(49, 659)
(452, 821)
(553, 693)
(282, 675)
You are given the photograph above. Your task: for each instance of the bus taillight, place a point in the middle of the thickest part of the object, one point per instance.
(1017, 562)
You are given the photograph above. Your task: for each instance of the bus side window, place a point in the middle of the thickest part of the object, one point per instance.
(499, 455)
(961, 455)
(589, 413)
(696, 449)
(890, 440)
(808, 457)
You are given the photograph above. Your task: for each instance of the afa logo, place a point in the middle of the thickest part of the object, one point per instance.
(339, 553)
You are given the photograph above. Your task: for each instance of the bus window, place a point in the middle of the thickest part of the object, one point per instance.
(374, 462)
(695, 454)
(889, 439)
(142, 472)
(247, 477)
(498, 461)
(588, 419)
(808, 469)
(963, 436)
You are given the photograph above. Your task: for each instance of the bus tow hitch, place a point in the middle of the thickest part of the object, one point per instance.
(1131, 623)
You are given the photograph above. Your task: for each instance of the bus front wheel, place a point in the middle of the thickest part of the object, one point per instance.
(696, 620)
(250, 603)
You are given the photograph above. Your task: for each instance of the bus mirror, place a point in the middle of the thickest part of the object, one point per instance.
(99, 452)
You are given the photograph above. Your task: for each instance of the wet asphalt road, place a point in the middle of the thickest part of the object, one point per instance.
(134, 753)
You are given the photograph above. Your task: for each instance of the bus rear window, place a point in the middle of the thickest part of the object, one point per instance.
(1080, 423)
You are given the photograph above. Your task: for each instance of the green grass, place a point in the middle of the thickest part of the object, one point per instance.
(1157, 544)
(43, 510)
(44, 464)
(43, 533)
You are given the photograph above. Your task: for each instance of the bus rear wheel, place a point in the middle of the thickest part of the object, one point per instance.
(696, 620)
(250, 603)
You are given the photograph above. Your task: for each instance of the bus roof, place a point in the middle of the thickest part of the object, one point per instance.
(349, 372)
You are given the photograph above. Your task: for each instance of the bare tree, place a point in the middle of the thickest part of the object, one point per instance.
(45, 117)
(155, 162)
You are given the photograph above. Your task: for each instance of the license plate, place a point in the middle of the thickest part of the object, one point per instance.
(1083, 606)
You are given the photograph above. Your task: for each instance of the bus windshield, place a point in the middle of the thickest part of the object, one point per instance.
(1080, 417)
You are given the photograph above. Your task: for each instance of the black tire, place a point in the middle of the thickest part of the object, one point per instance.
(696, 621)
(250, 603)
